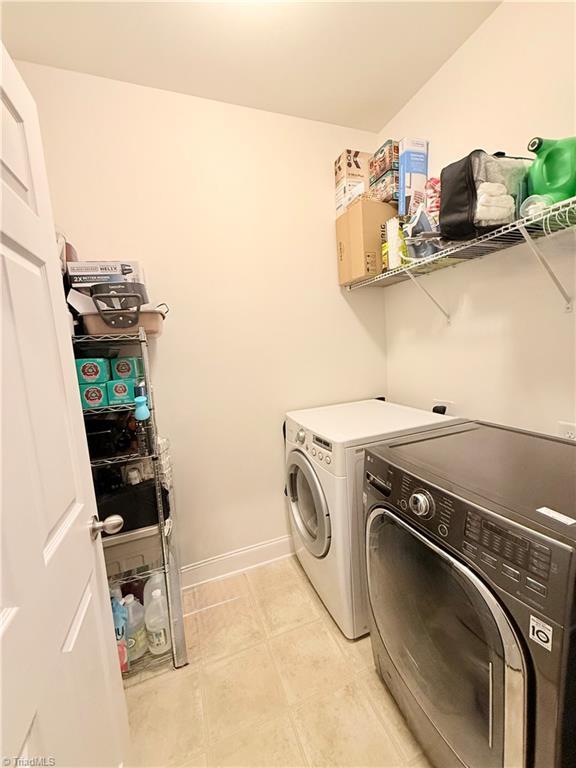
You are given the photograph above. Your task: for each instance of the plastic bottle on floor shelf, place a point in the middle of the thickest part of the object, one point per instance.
(120, 615)
(136, 628)
(158, 624)
(156, 581)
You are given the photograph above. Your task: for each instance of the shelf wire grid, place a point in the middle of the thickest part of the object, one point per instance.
(107, 338)
(109, 409)
(556, 218)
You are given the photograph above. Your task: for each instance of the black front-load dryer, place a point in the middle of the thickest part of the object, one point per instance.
(470, 539)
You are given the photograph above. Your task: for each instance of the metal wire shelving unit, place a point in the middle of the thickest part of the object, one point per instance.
(105, 345)
(560, 217)
(108, 409)
(96, 463)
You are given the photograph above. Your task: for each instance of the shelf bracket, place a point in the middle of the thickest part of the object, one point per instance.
(546, 266)
(427, 293)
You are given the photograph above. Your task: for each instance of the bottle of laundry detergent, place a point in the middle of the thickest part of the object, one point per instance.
(553, 172)
(158, 624)
(135, 629)
(120, 615)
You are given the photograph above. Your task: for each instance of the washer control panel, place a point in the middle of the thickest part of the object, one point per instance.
(523, 562)
(317, 448)
(422, 504)
(518, 551)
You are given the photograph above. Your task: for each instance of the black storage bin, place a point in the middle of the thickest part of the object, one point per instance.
(135, 503)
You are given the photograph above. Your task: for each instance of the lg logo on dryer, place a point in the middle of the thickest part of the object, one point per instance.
(541, 633)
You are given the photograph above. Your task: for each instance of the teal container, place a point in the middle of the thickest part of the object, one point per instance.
(553, 172)
(94, 395)
(92, 370)
(142, 412)
(120, 391)
(126, 367)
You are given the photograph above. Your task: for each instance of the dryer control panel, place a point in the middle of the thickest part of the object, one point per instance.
(521, 561)
(318, 449)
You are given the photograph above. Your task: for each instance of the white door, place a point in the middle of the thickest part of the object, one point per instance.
(62, 697)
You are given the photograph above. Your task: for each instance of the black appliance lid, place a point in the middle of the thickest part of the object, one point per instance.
(531, 474)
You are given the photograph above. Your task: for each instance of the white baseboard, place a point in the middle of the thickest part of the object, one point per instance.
(238, 560)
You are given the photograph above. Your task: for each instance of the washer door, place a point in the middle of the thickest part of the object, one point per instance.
(450, 641)
(308, 505)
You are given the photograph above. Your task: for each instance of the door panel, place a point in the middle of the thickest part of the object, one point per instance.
(308, 505)
(443, 638)
(60, 671)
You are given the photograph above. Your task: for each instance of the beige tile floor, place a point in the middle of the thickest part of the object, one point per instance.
(272, 682)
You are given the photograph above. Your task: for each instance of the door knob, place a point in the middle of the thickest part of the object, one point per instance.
(111, 524)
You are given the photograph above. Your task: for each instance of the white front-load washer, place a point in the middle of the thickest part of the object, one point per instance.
(324, 466)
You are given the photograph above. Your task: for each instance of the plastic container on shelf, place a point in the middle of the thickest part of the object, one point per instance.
(156, 581)
(135, 629)
(142, 412)
(158, 624)
(553, 172)
(120, 614)
(149, 319)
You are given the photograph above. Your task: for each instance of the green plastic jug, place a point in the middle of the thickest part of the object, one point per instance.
(553, 172)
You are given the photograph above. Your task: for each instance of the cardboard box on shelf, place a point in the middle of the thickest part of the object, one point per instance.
(360, 231)
(92, 370)
(125, 367)
(83, 274)
(93, 395)
(413, 174)
(351, 176)
(386, 188)
(120, 391)
(383, 160)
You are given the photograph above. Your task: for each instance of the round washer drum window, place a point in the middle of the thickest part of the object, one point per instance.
(308, 506)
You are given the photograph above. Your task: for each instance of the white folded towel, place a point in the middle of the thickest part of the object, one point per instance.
(487, 215)
(499, 201)
(492, 188)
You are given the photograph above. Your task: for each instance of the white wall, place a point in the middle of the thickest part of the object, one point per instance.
(509, 354)
(231, 212)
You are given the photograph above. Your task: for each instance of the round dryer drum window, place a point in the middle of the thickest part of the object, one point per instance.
(308, 506)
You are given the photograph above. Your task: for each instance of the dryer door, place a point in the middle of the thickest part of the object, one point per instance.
(450, 642)
(308, 506)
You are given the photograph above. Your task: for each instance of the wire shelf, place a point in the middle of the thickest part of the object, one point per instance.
(109, 409)
(132, 338)
(135, 574)
(148, 662)
(121, 459)
(556, 218)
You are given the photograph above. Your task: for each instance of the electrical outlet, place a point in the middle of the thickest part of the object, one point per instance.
(448, 403)
(567, 430)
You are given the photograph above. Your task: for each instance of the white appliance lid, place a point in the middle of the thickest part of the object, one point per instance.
(365, 420)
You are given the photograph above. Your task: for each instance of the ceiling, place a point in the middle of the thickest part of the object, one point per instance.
(353, 64)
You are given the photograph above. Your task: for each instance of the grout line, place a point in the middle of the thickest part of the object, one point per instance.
(214, 605)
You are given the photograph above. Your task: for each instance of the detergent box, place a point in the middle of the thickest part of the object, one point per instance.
(351, 176)
(125, 367)
(120, 391)
(413, 174)
(93, 395)
(92, 370)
